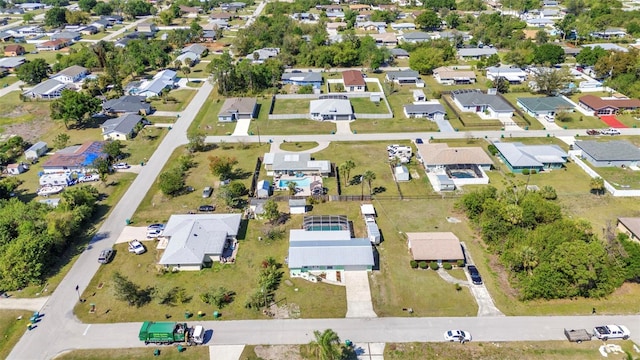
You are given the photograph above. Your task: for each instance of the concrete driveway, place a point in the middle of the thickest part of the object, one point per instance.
(132, 233)
(358, 295)
(486, 307)
(225, 352)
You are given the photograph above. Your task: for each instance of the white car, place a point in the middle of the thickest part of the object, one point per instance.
(606, 332)
(154, 233)
(457, 335)
(121, 165)
(610, 131)
(155, 226)
(89, 178)
(136, 247)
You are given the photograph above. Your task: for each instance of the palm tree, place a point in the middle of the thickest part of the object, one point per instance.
(346, 168)
(597, 185)
(326, 345)
(186, 71)
(369, 176)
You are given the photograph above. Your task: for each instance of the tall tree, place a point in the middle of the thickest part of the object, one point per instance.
(171, 182)
(550, 81)
(74, 106)
(222, 166)
(86, 5)
(326, 345)
(428, 20)
(33, 72)
(271, 211)
(55, 17)
(597, 185)
(369, 176)
(345, 170)
(548, 54)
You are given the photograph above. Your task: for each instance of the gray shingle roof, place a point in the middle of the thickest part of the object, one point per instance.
(477, 52)
(477, 98)
(123, 124)
(47, 87)
(615, 150)
(195, 48)
(424, 108)
(328, 248)
(402, 74)
(303, 76)
(127, 103)
(551, 103)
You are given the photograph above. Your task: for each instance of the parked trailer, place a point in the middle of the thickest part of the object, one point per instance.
(578, 335)
(170, 332)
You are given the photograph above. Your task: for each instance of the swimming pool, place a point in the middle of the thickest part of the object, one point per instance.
(461, 174)
(300, 182)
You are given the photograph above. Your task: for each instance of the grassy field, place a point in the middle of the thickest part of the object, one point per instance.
(298, 146)
(166, 352)
(392, 125)
(14, 111)
(182, 97)
(538, 350)
(291, 106)
(207, 118)
(263, 126)
(365, 106)
(11, 329)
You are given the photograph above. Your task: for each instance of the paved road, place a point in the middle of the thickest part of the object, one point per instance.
(13, 87)
(115, 34)
(59, 326)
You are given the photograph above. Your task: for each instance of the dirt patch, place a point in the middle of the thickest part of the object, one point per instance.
(278, 352)
(29, 131)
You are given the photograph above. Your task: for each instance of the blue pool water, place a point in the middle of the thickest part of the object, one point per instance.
(462, 175)
(300, 182)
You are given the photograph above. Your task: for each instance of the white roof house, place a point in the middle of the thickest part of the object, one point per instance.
(195, 239)
(331, 109)
(281, 163)
(519, 157)
(149, 88)
(48, 89)
(513, 75)
(476, 53)
(401, 173)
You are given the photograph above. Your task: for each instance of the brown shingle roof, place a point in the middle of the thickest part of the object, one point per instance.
(13, 48)
(597, 103)
(633, 224)
(435, 246)
(353, 78)
(442, 154)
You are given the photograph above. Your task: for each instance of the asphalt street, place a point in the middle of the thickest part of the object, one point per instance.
(59, 326)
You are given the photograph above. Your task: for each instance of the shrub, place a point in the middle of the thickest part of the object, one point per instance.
(447, 266)
(460, 263)
(525, 172)
(458, 287)
(434, 265)
(492, 149)
(423, 265)
(413, 264)
(533, 172)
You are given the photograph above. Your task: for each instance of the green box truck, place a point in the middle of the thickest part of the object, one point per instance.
(170, 332)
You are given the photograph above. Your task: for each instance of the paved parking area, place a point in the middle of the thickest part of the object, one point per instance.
(369, 351)
(132, 232)
(358, 295)
(225, 352)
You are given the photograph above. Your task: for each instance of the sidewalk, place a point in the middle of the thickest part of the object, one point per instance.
(34, 304)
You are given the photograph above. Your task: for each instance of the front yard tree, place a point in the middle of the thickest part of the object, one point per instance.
(548, 54)
(345, 170)
(597, 185)
(171, 182)
(103, 8)
(196, 142)
(326, 345)
(551, 81)
(55, 17)
(28, 17)
(135, 8)
(424, 59)
(428, 20)
(86, 5)
(186, 70)
(33, 72)
(369, 176)
(113, 149)
(126, 290)
(74, 106)
(61, 140)
(271, 211)
(222, 166)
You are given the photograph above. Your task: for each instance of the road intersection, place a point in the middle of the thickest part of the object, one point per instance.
(60, 330)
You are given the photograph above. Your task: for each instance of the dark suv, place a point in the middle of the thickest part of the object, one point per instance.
(475, 275)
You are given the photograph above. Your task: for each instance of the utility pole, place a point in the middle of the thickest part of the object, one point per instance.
(78, 291)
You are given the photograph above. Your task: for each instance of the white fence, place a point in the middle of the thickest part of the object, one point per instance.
(575, 156)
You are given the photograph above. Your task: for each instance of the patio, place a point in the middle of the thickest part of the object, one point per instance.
(305, 185)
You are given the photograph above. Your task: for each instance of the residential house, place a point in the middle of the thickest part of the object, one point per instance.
(334, 27)
(371, 25)
(442, 247)
(541, 106)
(12, 11)
(197, 240)
(89, 30)
(403, 26)
(121, 128)
(11, 63)
(72, 74)
(452, 35)
(315, 250)
(233, 6)
(29, 6)
(261, 55)
(14, 50)
(331, 109)
(631, 227)
(476, 53)
(487, 106)
(127, 104)
(608, 153)
(432, 112)
(609, 33)
(165, 79)
(190, 11)
(225, 16)
(607, 106)
(419, 96)
(514, 75)
(77, 158)
(235, 109)
(112, 19)
(16, 169)
(303, 17)
(68, 36)
(335, 15)
(256, 208)
(385, 39)
(300, 78)
(297, 206)
(147, 27)
(607, 47)
(416, 37)
(359, 7)
(519, 157)
(451, 76)
(440, 155)
(209, 35)
(36, 150)
(553, 14)
(29, 30)
(405, 77)
(51, 45)
(295, 163)
(101, 24)
(399, 53)
(47, 90)
(353, 81)
(5, 36)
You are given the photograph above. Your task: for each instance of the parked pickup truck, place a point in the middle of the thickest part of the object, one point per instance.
(606, 332)
(170, 332)
(578, 335)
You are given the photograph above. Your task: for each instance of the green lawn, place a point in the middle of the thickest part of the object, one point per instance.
(620, 178)
(207, 118)
(14, 111)
(11, 329)
(290, 106)
(298, 146)
(365, 106)
(166, 352)
(631, 120)
(263, 126)
(397, 124)
(182, 99)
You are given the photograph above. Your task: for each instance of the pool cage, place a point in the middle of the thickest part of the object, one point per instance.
(325, 223)
(469, 167)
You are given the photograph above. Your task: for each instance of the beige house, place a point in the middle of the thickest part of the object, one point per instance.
(449, 76)
(440, 155)
(435, 246)
(630, 227)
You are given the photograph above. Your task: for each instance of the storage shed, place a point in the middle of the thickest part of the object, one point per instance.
(16, 169)
(373, 232)
(297, 206)
(402, 173)
(445, 184)
(263, 190)
(36, 150)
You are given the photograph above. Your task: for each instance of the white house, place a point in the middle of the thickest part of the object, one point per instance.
(331, 109)
(431, 111)
(487, 106)
(263, 189)
(121, 128)
(513, 74)
(72, 74)
(195, 240)
(165, 79)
